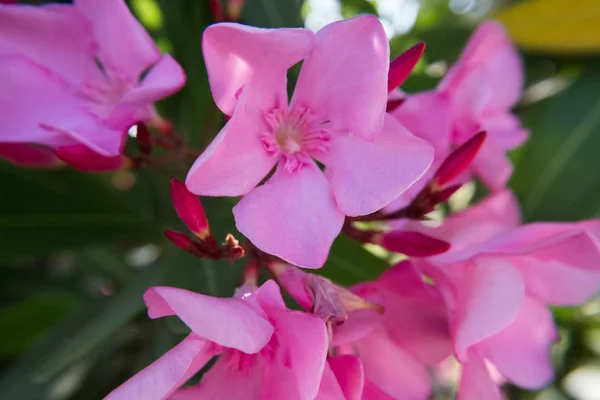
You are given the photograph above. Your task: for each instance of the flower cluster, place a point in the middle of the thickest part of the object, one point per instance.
(348, 152)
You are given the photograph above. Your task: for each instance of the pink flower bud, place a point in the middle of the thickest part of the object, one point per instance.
(27, 155)
(180, 239)
(413, 244)
(459, 160)
(84, 159)
(189, 209)
(403, 65)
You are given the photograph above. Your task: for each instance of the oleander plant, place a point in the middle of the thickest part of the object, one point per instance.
(298, 200)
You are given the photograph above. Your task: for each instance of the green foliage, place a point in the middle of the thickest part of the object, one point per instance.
(45, 211)
(556, 177)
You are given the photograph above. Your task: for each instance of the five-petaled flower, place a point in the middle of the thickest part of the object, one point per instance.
(336, 117)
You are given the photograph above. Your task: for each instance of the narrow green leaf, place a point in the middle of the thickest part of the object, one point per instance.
(556, 177)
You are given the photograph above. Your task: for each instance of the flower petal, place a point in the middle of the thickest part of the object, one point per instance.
(491, 48)
(165, 375)
(344, 78)
(256, 59)
(349, 373)
(388, 166)
(164, 78)
(391, 369)
(428, 116)
(222, 381)
(487, 284)
(125, 47)
(329, 388)
(521, 351)
(236, 160)
(56, 36)
(476, 382)
(305, 338)
(291, 213)
(38, 106)
(228, 322)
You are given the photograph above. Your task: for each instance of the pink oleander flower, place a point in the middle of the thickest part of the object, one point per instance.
(497, 279)
(267, 352)
(77, 77)
(396, 346)
(476, 95)
(336, 116)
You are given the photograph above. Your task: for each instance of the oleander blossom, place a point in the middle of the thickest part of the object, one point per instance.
(266, 352)
(475, 95)
(336, 116)
(514, 270)
(76, 77)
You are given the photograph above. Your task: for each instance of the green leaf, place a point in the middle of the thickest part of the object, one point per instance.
(556, 177)
(272, 13)
(30, 319)
(352, 8)
(350, 263)
(45, 211)
(74, 339)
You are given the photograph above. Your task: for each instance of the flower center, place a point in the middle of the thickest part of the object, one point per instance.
(294, 136)
(104, 92)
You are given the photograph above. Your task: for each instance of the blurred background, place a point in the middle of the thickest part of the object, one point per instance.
(77, 250)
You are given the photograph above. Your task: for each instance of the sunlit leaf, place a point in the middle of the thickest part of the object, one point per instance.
(554, 26)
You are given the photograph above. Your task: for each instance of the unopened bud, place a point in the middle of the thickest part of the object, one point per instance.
(403, 65)
(413, 244)
(27, 155)
(459, 160)
(84, 159)
(189, 209)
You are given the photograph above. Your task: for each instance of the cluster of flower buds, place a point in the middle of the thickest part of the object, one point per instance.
(203, 244)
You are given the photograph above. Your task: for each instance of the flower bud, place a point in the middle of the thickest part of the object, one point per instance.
(413, 244)
(84, 159)
(30, 156)
(403, 65)
(459, 160)
(189, 209)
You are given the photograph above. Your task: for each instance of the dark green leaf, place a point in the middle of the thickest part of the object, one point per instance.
(30, 319)
(44, 211)
(272, 13)
(556, 177)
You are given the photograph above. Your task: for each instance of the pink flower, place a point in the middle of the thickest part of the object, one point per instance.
(336, 116)
(266, 351)
(476, 95)
(494, 264)
(395, 347)
(78, 75)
